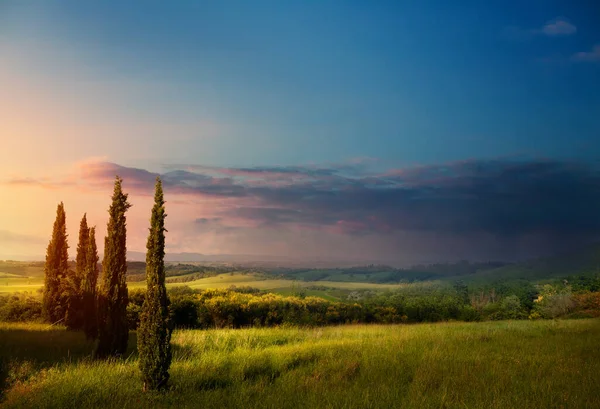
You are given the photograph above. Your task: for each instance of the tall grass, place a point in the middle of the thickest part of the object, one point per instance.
(519, 364)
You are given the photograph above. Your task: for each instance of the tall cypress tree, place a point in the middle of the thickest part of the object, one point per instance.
(88, 285)
(56, 269)
(74, 315)
(113, 331)
(154, 333)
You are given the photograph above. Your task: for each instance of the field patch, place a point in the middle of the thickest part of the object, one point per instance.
(14, 284)
(264, 283)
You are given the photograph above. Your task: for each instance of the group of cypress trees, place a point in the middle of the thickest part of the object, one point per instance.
(73, 296)
(66, 294)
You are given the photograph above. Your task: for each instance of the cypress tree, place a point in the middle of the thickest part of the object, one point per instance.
(113, 331)
(56, 269)
(154, 333)
(74, 315)
(88, 285)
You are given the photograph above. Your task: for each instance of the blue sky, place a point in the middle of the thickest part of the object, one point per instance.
(234, 84)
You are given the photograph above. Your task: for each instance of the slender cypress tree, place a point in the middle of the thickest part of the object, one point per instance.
(89, 282)
(154, 333)
(56, 269)
(74, 315)
(113, 332)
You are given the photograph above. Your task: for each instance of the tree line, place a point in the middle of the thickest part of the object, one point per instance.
(238, 307)
(77, 298)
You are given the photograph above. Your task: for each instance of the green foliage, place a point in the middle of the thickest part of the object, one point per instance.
(112, 298)
(74, 315)
(89, 287)
(20, 308)
(462, 290)
(469, 314)
(154, 332)
(56, 270)
(221, 308)
(584, 282)
(508, 309)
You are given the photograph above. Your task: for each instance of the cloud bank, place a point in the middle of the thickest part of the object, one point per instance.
(475, 209)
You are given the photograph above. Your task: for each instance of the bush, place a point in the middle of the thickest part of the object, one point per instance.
(553, 301)
(20, 308)
(469, 314)
(184, 311)
(587, 301)
(134, 307)
(242, 307)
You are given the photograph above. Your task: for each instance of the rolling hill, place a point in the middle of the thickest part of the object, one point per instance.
(581, 262)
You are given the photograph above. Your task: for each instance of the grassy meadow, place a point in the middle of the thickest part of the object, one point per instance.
(507, 364)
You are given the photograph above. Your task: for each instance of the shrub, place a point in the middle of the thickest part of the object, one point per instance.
(20, 308)
(469, 313)
(554, 301)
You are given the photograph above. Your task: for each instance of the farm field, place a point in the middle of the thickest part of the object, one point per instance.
(533, 364)
(13, 283)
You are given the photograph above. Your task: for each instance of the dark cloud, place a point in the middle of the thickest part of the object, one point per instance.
(207, 220)
(505, 198)
(473, 209)
(105, 173)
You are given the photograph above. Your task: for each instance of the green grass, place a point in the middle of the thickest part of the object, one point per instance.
(520, 364)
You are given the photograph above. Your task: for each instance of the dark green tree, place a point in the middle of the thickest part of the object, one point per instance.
(88, 285)
(56, 269)
(154, 333)
(74, 314)
(462, 291)
(113, 333)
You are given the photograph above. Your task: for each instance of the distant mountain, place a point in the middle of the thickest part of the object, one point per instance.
(254, 260)
(20, 257)
(199, 258)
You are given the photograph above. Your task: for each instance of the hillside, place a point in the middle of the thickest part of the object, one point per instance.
(28, 276)
(582, 262)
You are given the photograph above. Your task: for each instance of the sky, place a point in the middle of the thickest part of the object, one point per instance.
(330, 130)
